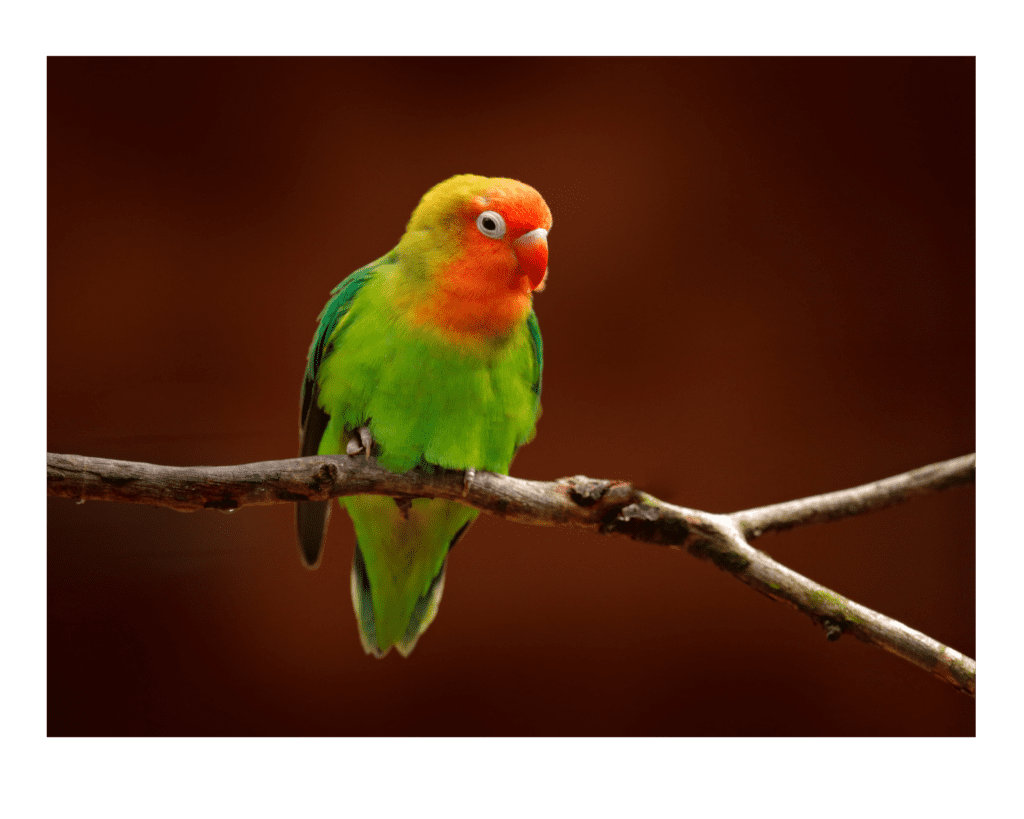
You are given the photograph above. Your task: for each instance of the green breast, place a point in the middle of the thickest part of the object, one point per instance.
(424, 397)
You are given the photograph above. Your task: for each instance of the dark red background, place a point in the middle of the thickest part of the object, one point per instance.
(762, 287)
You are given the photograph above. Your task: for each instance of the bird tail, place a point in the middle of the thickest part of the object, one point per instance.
(421, 616)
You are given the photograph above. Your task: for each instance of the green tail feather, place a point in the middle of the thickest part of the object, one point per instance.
(422, 614)
(362, 602)
(398, 568)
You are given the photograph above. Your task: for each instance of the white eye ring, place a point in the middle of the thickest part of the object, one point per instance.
(491, 224)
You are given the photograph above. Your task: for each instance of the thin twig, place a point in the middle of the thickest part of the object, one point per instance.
(608, 507)
(857, 500)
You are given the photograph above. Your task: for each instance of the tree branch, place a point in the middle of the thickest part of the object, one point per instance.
(609, 507)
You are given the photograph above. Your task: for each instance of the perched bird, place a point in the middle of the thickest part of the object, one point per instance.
(430, 355)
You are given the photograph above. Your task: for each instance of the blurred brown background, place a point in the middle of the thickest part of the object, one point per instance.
(762, 287)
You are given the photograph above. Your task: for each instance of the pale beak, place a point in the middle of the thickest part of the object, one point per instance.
(531, 251)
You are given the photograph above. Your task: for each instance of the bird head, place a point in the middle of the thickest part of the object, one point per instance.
(481, 244)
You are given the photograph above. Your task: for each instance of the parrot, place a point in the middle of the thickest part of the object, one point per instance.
(430, 356)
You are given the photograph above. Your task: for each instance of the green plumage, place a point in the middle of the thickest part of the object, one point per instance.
(427, 398)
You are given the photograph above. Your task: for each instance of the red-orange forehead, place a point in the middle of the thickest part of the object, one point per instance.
(523, 208)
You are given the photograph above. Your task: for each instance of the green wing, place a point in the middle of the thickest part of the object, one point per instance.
(311, 517)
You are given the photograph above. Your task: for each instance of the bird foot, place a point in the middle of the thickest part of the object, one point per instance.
(361, 441)
(467, 481)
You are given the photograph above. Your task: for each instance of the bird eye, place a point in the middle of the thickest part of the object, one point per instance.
(490, 224)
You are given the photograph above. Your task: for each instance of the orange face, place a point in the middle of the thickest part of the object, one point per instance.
(500, 258)
(511, 222)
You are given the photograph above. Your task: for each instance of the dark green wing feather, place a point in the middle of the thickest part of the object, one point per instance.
(311, 517)
(538, 349)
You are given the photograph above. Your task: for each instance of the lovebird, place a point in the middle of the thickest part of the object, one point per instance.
(429, 356)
